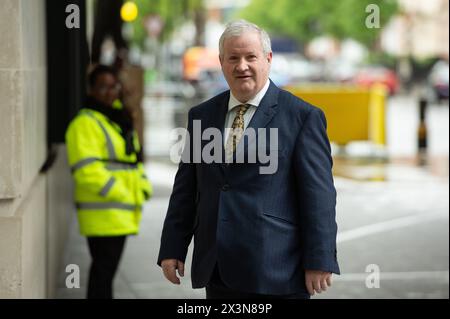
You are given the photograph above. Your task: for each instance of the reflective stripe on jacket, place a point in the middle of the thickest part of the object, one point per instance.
(110, 186)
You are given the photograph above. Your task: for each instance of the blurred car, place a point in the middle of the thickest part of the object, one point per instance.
(197, 60)
(280, 79)
(293, 68)
(169, 89)
(370, 75)
(438, 79)
(341, 71)
(210, 83)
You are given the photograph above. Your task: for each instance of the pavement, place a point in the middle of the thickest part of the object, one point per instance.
(393, 238)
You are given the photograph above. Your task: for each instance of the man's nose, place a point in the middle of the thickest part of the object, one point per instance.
(242, 66)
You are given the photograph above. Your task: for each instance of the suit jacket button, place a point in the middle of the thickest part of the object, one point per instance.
(225, 187)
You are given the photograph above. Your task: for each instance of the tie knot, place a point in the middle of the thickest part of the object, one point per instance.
(243, 108)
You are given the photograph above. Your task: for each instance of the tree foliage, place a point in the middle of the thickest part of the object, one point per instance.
(171, 12)
(304, 20)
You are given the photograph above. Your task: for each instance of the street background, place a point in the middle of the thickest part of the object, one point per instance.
(393, 200)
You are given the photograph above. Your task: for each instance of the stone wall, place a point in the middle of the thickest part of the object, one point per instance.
(34, 207)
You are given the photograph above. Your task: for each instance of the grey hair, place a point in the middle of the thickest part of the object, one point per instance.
(237, 28)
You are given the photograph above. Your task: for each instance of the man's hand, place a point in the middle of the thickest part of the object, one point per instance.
(169, 267)
(317, 281)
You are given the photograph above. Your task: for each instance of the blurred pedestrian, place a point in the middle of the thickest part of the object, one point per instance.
(110, 183)
(108, 23)
(255, 235)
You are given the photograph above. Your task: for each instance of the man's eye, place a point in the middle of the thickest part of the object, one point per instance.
(252, 57)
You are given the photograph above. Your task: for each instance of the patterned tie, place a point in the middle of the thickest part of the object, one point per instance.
(237, 130)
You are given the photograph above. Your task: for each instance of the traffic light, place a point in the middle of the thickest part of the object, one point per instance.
(129, 11)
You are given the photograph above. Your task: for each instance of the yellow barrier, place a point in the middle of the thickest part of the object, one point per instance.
(353, 114)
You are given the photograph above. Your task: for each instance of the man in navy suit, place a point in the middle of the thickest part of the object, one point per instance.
(256, 234)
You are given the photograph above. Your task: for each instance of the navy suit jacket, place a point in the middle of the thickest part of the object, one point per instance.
(262, 230)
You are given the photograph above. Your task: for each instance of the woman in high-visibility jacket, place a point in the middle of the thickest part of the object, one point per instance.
(110, 183)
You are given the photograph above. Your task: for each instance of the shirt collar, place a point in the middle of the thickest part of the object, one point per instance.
(255, 101)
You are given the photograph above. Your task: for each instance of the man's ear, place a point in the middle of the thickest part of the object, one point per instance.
(220, 59)
(269, 57)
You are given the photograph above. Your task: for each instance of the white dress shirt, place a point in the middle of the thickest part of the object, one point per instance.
(232, 109)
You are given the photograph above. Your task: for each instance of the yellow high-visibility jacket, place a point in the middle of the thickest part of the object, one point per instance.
(110, 186)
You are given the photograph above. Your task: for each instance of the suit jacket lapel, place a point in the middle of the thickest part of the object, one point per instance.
(217, 120)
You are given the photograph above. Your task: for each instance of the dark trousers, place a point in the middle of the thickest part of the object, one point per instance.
(105, 253)
(216, 289)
